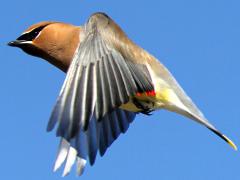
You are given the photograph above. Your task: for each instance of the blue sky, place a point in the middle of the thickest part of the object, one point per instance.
(197, 40)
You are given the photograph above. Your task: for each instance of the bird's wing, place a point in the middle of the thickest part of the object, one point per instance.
(99, 80)
(99, 136)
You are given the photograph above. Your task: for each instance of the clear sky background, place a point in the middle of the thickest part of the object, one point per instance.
(199, 41)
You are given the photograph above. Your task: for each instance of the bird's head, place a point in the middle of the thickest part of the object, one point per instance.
(53, 41)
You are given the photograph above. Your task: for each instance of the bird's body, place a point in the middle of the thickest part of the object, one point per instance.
(109, 80)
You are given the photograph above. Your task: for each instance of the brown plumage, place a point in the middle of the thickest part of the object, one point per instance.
(51, 44)
(109, 79)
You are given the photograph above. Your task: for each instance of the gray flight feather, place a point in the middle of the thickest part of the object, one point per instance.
(99, 80)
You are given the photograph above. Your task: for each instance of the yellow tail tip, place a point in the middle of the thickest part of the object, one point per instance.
(230, 143)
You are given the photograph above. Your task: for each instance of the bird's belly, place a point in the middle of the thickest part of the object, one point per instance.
(130, 106)
(143, 102)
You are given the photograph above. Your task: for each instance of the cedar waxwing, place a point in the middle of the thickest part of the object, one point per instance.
(109, 80)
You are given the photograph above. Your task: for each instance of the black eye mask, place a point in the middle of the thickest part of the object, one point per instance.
(29, 36)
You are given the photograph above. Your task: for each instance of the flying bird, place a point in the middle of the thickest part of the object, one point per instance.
(109, 80)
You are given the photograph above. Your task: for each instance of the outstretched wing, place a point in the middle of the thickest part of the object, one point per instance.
(99, 136)
(99, 80)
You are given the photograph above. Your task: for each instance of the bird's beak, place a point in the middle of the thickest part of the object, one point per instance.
(16, 43)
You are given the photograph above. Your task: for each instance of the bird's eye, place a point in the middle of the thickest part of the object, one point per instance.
(30, 36)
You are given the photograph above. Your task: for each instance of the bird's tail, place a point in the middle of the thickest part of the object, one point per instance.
(191, 111)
